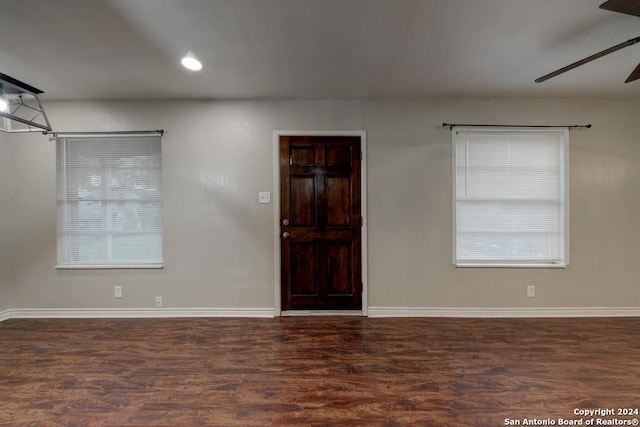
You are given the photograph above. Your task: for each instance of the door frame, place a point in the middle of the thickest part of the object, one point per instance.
(276, 221)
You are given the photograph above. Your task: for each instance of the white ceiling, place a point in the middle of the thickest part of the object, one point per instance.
(79, 49)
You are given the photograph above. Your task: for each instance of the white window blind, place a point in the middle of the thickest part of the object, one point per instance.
(109, 195)
(510, 198)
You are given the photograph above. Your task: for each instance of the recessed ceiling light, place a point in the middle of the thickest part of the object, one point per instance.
(3, 105)
(191, 62)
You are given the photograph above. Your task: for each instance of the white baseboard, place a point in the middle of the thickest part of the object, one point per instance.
(25, 313)
(504, 312)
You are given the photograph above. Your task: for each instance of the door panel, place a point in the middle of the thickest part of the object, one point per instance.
(320, 223)
(303, 201)
(302, 156)
(302, 267)
(338, 155)
(339, 198)
(338, 268)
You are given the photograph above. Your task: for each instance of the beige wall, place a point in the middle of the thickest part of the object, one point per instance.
(219, 241)
(5, 295)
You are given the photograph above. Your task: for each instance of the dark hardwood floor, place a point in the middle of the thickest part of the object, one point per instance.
(315, 371)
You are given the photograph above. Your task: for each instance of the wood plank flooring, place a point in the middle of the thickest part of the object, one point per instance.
(314, 371)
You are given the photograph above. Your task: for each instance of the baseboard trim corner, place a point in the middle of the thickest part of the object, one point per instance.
(5, 315)
(504, 312)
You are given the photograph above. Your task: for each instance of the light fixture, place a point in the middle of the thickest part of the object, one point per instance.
(191, 62)
(20, 108)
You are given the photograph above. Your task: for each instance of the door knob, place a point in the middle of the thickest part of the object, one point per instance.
(285, 235)
(285, 221)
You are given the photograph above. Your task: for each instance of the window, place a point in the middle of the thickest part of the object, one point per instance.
(109, 195)
(510, 197)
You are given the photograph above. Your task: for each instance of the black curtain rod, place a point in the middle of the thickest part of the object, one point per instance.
(133, 132)
(452, 125)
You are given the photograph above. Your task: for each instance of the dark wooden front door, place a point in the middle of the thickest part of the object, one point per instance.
(320, 223)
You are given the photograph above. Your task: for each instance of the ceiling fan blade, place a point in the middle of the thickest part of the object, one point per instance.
(588, 59)
(630, 7)
(635, 75)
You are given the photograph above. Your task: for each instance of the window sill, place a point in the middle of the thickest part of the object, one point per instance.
(508, 265)
(109, 267)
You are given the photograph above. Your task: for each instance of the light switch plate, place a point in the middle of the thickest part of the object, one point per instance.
(264, 197)
(531, 291)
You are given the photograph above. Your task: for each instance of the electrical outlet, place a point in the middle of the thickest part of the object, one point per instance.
(117, 291)
(158, 301)
(531, 291)
(264, 197)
